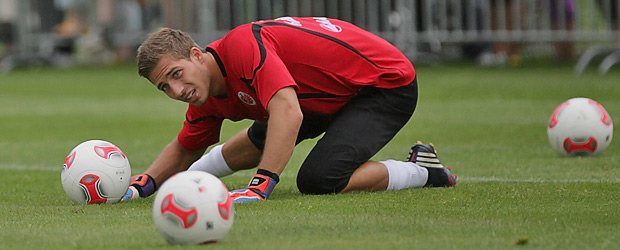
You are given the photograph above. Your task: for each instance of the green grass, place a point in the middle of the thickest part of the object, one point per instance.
(489, 125)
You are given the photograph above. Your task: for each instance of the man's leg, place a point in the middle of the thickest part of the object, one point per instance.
(392, 175)
(340, 160)
(370, 176)
(238, 153)
(244, 150)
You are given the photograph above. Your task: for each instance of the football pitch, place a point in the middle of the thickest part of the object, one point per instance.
(488, 124)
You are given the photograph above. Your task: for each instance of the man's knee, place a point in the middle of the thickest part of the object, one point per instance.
(317, 184)
(327, 173)
(258, 134)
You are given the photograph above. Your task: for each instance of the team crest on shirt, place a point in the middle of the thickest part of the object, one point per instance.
(246, 98)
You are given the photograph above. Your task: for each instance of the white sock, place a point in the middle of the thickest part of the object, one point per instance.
(212, 163)
(404, 175)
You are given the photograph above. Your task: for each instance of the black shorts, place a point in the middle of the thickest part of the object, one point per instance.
(352, 136)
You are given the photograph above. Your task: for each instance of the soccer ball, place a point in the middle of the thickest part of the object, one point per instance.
(95, 171)
(580, 127)
(193, 207)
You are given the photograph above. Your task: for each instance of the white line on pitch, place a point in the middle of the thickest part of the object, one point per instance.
(29, 168)
(498, 179)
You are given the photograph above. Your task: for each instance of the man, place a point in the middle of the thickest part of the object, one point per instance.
(297, 78)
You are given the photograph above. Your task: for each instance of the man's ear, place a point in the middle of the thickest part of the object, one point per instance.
(196, 53)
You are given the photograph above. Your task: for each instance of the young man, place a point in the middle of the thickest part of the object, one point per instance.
(297, 78)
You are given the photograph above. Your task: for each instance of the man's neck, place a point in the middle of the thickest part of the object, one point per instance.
(218, 84)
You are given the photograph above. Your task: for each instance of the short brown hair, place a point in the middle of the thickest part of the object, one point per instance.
(165, 41)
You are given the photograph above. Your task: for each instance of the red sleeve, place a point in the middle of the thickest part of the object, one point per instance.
(271, 77)
(199, 131)
(256, 60)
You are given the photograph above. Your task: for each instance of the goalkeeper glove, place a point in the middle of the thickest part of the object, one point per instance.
(260, 187)
(142, 185)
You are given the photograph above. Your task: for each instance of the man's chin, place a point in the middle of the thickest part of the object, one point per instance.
(197, 104)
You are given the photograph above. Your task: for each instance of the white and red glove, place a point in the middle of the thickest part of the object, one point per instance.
(260, 187)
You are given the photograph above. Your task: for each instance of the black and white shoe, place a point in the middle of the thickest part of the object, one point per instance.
(425, 155)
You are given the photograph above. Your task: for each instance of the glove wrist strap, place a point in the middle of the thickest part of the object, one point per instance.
(269, 174)
(145, 184)
(263, 182)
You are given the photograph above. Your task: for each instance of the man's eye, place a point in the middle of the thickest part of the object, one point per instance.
(164, 87)
(176, 74)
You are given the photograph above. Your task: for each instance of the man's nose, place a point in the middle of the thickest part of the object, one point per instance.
(176, 89)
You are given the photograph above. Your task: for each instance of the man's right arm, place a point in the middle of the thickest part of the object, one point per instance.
(174, 158)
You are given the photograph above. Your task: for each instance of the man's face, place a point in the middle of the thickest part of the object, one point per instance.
(182, 79)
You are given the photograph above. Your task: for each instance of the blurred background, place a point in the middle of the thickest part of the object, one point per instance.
(492, 33)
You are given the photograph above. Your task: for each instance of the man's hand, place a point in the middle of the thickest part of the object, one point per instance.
(132, 193)
(259, 189)
(245, 195)
(142, 185)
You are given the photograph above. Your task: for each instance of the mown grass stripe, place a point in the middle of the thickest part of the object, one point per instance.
(291, 175)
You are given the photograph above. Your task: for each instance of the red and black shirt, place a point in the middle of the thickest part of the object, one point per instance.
(327, 61)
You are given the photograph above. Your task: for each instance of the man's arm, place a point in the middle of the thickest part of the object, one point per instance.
(174, 158)
(285, 118)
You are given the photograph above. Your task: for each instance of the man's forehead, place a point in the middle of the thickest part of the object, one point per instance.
(159, 70)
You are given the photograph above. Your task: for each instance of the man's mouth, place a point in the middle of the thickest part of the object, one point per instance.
(191, 94)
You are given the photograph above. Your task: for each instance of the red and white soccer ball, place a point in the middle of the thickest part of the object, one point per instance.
(95, 171)
(193, 207)
(580, 127)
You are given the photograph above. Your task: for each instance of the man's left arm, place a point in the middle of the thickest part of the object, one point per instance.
(285, 118)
